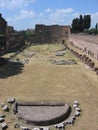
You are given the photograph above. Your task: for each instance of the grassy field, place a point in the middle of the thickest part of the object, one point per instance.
(39, 80)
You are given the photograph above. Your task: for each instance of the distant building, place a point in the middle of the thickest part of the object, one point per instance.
(50, 34)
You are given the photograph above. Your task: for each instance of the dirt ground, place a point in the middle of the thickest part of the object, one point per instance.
(39, 80)
(86, 43)
(84, 37)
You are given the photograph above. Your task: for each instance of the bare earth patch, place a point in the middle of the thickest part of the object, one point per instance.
(88, 38)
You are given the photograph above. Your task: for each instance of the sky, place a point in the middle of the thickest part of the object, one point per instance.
(25, 14)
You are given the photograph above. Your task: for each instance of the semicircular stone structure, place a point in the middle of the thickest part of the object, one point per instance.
(42, 114)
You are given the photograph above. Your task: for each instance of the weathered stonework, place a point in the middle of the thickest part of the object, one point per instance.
(43, 113)
(13, 38)
(3, 25)
(8, 37)
(90, 48)
(50, 34)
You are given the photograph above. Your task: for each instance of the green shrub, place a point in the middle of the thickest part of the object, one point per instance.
(92, 31)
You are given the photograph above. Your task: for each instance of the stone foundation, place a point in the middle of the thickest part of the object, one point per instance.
(42, 114)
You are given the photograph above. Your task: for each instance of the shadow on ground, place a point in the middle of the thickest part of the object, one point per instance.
(10, 69)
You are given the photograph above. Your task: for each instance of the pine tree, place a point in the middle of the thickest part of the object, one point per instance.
(75, 25)
(81, 23)
(96, 27)
(87, 21)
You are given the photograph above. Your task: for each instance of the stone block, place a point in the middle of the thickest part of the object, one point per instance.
(5, 108)
(78, 109)
(76, 102)
(77, 113)
(60, 125)
(1, 119)
(44, 128)
(24, 128)
(4, 126)
(75, 105)
(2, 116)
(11, 100)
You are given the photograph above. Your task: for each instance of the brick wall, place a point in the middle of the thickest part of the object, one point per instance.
(50, 34)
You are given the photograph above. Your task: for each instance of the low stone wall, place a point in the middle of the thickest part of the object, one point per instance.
(85, 59)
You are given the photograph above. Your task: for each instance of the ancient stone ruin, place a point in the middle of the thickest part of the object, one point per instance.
(39, 115)
(42, 114)
(64, 62)
(88, 48)
(85, 59)
(50, 34)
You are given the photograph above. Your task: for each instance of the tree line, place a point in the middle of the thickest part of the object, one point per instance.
(80, 24)
(93, 30)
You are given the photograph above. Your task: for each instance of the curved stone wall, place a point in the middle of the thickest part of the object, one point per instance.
(42, 114)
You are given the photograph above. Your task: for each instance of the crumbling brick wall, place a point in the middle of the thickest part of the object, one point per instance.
(50, 34)
(3, 25)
